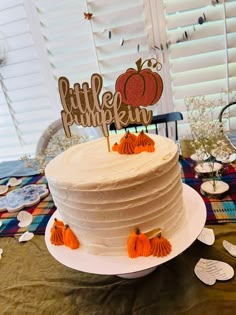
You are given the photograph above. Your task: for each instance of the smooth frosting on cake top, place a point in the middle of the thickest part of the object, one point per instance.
(89, 166)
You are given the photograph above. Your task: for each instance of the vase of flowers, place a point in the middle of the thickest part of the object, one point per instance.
(208, 142)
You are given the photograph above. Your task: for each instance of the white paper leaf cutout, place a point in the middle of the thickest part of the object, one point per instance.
(0, 223)
(207, 236)
(25, 218)
(230, 248)
(27, 236)
(14, 182)
(208, 271)
(1, 251)
(3, 189)
(204, 276)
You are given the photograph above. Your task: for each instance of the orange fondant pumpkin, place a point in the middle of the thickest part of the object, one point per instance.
(129, 135)
(115, 147)
(149, 147)
(56, 236)
(138, 244)
(138, 149)
(141, 87)
(69, 238)
(160, 246)
(143, 139)
(126, 145)
(57, 223)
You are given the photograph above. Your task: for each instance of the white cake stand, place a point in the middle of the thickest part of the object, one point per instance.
(123, 266)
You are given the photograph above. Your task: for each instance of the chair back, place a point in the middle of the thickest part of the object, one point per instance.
(231, 136)
(223, 110)
(157, 120)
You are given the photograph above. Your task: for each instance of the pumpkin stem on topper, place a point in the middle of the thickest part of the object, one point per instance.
(151, 63)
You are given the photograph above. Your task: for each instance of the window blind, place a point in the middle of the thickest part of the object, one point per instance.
(48, 39)
(201, 53)
(25, 105)
(109, 43)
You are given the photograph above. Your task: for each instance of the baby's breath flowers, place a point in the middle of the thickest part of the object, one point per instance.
(57, 144)
(207, 132)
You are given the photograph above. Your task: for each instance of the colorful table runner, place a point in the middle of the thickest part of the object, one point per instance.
(41, 212)
(218, 210)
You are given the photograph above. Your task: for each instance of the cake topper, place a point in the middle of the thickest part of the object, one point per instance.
(83, 104)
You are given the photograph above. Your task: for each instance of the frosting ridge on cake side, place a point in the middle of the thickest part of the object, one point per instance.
(104, 196)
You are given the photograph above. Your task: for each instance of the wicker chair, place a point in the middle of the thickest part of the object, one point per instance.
(56, 127)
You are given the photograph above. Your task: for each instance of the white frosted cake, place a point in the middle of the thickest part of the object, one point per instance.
(104, 196)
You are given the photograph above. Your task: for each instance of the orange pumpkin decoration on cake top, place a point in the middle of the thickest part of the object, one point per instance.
(115, 147)
(127, 144)
(149, 147)
(143, 139)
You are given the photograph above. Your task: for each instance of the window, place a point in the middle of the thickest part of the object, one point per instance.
(199, 47)
(194, 40)
(26, 105)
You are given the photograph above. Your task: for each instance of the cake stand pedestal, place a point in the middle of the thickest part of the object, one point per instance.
(128, 268)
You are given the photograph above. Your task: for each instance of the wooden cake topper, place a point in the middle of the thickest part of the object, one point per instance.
(84, 106)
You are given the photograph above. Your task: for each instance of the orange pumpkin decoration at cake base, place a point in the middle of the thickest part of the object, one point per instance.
(160, 246)
(56, 237)
(141, 87)
(69, 238)
(138, 245)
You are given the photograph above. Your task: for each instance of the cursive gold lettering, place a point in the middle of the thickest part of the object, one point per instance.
(83, 107)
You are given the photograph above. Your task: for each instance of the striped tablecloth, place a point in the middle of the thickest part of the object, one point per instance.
(218, 211)
(41, 212)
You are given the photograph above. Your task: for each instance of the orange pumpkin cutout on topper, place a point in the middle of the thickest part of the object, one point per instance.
(141, 87)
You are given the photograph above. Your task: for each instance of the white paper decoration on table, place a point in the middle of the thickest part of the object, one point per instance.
(14, 182)
(230, 248)
(207, 236)
(25, 218)
(26, 196)
(27, 236)
(1, 251)
(208, 271)
(3, 189)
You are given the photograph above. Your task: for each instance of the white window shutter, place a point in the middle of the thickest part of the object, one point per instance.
(201, 52)
(25, 103)
(204, 63)
(78, 47)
